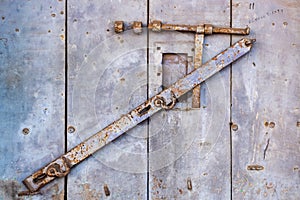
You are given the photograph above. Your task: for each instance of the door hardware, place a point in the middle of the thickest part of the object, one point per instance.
(158, 26)
(198, 30)
(166, 99)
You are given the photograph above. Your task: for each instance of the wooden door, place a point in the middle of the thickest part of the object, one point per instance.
(65, 74)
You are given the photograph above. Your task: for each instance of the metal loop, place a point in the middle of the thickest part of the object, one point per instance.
(161, 102)
(56, 170)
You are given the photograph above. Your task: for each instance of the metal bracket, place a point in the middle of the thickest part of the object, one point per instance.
(199, 30)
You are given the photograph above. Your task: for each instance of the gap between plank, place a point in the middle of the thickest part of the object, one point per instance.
(230, 113)
(148, 121)
(66, 95)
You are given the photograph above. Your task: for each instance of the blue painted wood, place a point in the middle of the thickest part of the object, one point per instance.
(266, 93)
(190, 145)
(265, 105)
(107, 77)
(32, 82)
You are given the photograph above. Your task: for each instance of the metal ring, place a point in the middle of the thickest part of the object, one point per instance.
(161, 102)
(55, 170)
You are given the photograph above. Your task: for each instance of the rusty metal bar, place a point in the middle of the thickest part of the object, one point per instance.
(199, 39)
(234, 31)
(201, 29)
(164, 100)
(158, 26)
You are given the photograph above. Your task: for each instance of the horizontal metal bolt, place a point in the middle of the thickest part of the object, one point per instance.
(207, 29)
(158, 26)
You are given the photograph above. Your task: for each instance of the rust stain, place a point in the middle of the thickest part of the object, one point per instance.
(119, 26)
(90, 194)
(255, 167)
(236, 4)
(106, 190)
(57, 193)
(189, 184)
(9, 189)
(272, 124)
(266, 124)
(158, 184)
(180, 191)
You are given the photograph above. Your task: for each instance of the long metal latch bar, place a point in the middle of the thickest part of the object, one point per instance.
(158, 26)
(163, 100)
(199, 30)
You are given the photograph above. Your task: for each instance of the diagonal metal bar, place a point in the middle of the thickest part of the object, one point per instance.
(164, 100)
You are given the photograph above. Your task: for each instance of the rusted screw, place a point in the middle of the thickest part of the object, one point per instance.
(234, 127)
(137, 27)
(119, 26)
(155, 26)
(26, 131)
(71, 129)
(272, 124)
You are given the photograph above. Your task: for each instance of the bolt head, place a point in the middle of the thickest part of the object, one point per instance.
(119, 26)
(156, 26)
(137, 27)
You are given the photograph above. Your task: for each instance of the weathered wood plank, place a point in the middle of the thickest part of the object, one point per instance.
(107, 78)
(265, 89)
(190, 146)
(32, 82)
